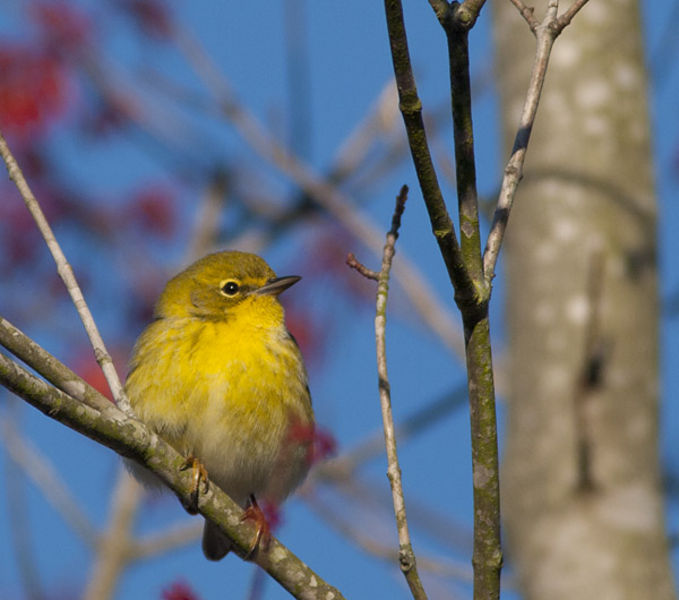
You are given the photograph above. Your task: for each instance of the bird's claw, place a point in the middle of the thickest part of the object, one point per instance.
(199, 473)
(263, 531)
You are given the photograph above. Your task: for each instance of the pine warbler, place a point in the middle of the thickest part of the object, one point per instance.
(219, 377)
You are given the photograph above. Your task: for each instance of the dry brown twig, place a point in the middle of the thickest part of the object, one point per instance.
(406, 555)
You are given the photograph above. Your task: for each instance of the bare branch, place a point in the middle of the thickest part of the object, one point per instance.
(456, 23)
(132, 439)
(66, 273)
(514, 169)
(423, 418)
(406, 554)
(469, 10)
(546, 33)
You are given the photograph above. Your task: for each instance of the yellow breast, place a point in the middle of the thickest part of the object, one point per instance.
(228, 392)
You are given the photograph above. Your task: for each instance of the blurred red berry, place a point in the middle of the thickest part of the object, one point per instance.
(34, 90)
(63, 27)
(321, 442)
(153, 210)
(151, 16)
(179, 590)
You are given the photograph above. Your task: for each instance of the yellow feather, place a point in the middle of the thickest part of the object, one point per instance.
(219, 377)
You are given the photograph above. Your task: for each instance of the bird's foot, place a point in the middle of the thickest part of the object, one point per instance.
(199, 473)
(263, 531)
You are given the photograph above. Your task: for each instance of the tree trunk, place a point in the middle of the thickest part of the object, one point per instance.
(581, 488)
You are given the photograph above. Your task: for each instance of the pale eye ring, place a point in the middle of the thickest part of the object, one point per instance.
(230, 288)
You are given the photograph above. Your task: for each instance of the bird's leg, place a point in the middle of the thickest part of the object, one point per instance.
(199, 473)
(263, 533)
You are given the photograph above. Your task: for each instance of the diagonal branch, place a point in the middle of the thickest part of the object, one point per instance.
(66, 273)
(546, 32)
(565, 19)
(132, 439)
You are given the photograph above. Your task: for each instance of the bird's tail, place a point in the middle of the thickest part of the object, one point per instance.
(215, 544)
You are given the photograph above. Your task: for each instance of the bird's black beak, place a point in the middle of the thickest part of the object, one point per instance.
(275, 286)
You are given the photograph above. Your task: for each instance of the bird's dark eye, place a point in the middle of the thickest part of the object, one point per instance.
(230, 288)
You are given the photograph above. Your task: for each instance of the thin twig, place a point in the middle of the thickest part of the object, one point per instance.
(528, 13)
(355, 264)
(406, 554)
(565, 19)
(129, 437)
(546, 33)
(456, 23)
(66, 273)
(514, 170)
(436, 524)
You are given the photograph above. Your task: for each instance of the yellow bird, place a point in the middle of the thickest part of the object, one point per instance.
(219, 377)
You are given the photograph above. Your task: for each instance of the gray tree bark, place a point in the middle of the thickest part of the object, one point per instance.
(581, 489)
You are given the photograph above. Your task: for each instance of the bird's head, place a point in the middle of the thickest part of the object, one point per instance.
(223, 286)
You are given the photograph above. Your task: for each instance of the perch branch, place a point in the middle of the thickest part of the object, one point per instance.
(132, 439)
